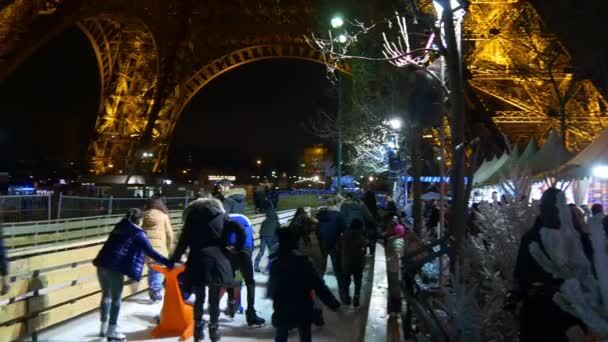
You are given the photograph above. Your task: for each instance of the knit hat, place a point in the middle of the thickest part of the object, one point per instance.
(398, 229)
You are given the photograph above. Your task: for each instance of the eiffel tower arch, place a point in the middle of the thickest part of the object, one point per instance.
(133, 40)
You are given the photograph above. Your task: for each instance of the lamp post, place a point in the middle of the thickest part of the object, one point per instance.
(337, 22)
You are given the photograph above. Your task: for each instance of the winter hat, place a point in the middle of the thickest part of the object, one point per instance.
(398, 229)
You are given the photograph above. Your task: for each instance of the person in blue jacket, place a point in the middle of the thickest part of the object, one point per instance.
(242, 260)
(123, 254)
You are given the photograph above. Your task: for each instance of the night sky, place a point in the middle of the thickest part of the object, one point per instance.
(260, 110)
(257, 111)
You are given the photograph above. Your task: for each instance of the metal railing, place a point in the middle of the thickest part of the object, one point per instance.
(25, 208)
(19, 208)
(29, 208)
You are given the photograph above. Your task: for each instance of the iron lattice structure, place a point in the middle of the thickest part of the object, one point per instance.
(525, 77)
(165, 51)
(133, 42)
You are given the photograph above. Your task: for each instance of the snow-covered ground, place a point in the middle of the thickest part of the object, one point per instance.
(137, 319)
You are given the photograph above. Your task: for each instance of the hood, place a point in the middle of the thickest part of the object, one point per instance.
(236, 191)
(203, 210)
(239, 198)
(126, 227)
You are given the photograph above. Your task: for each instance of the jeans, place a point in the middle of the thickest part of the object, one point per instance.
(265, 242)
(241, 261)
(214, 303)
(304, 331)
(111, 288)
(155, 283)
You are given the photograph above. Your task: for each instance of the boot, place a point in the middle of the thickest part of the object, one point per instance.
(104, 329)
(231, 308)
(199, 331)
(317, 318)
(214, 332)
(356, 301)
(345, 298)
(114, 335)
(252, 318)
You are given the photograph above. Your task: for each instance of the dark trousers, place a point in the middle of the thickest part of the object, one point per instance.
(111, 289)
(304, 331)
(543, 320)
(241, 261)
(357, 277)
(214, 303)
(336, 265)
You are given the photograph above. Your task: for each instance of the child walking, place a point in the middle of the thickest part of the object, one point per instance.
(292, 279)
(122, 255)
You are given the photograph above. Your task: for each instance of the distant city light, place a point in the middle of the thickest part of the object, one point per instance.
(258, 162)
(221, 177)
(371, 178)
(601, 171)
(168, 181)
(342, 38)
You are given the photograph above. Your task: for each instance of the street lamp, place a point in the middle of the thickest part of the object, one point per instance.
(337, 22)
(395, 124)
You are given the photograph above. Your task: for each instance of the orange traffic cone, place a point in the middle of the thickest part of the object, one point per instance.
(176, 318)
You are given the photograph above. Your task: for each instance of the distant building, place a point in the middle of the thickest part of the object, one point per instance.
(312, 163)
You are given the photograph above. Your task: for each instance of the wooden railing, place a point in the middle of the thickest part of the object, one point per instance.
(52, 277)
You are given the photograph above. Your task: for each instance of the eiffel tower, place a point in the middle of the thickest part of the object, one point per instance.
(137, 42)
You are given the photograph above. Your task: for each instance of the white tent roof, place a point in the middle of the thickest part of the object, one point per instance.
(594, 154)
(491, 169)
(551, 156)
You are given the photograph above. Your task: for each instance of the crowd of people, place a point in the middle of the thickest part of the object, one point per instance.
(217, 240)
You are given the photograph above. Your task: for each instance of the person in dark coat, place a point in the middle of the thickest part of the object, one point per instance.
(541, 319)
(3, 267)
(273, 198)
(370, 202)
(352, 208)
(234, 201)
(268, 231)
(331, 226)
(352, 250)
(123, 254)
(292, 280)
(206, 233)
